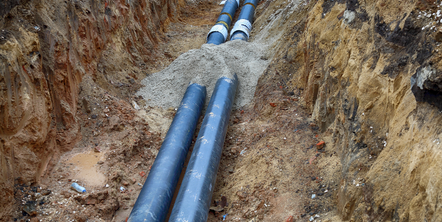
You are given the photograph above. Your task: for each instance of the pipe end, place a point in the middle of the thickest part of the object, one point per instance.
(217, 35)
(215, 38)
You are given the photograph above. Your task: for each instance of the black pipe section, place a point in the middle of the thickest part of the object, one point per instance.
(241, 29)
(218, 33)
(154, 199)
(195, 194)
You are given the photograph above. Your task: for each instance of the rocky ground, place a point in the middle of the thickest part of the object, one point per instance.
(344, 124)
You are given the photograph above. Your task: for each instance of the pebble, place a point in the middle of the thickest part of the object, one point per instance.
(320, 145)
(45, 192)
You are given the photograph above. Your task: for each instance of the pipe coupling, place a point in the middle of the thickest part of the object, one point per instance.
(218, 28)
(243, 25)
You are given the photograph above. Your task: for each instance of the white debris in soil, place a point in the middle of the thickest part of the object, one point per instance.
(204, 66)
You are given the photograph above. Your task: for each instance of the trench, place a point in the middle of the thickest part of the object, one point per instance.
(192, 199)
(267, 163)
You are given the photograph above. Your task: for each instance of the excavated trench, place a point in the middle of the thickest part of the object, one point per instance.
(337, 115)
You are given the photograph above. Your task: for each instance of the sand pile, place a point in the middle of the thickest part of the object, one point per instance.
(204, 66)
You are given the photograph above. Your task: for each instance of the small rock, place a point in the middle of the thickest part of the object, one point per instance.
(142, 174)
(66, 194)
(86, 105)
(113, 121)
(132, 81)
(218, 208)
(30, 209)
(133, 180)
(438, 36)
(313, 196)
(223, 201)
(320, 145)
(94, 116)
(97, 149)
(241, 195)
(230, 169)
(135, 105)
(45, 192)
(125, 183)
(289, 219)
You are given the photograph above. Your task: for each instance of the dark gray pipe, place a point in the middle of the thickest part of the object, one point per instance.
(218, 33)
(193, 200)
(241, 29)
(154, 199)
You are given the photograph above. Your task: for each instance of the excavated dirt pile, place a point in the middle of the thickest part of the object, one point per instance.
(204, 66)
(337, 117)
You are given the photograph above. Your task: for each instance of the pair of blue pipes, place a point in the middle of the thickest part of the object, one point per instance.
(241, 30)
(193, 200)
(195, 194)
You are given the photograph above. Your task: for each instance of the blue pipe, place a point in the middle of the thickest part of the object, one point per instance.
(218, 33)
(241, 29)
(154, 199)
(195, 194)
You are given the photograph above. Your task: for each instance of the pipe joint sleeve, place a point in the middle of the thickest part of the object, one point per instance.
(218, 28)
(242, 25)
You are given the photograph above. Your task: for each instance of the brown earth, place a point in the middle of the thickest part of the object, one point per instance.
(354, 63)
(51, 52)
(363, 76)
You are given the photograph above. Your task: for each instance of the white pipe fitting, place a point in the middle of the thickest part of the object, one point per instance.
(219, 28)
(243, 25)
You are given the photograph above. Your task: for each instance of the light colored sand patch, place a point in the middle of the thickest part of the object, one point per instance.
(204, 66)
(159, 119)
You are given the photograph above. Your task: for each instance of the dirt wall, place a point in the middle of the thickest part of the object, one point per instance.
(46, 50)
(370, 73)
